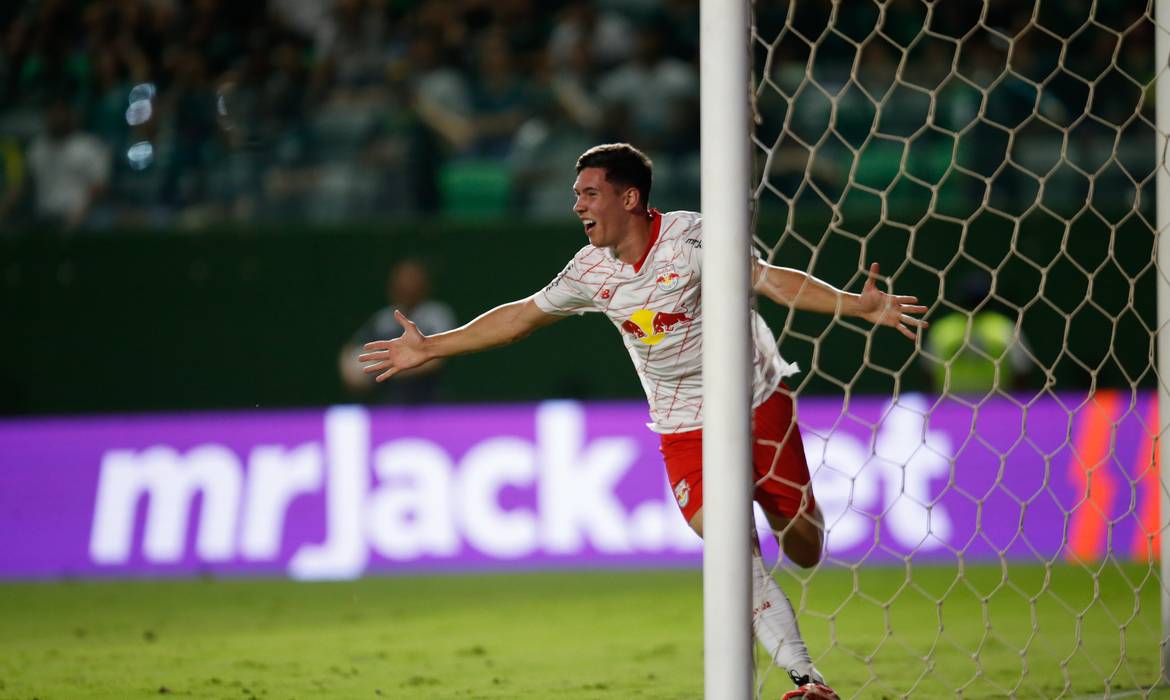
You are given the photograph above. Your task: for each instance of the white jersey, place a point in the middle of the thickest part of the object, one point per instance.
(655, 305)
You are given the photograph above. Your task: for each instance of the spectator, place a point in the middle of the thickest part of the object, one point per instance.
(501, 97)
(440, 91)
(351, 56)
(189, 104)
(573, 84)
(609, 33)
(408, 290)
(546, 146)
(40, 53)
(11, 179)
(70, 170)
(308, 19)
(653, 94)
(336, 109)
(478, 118)
(976, 349)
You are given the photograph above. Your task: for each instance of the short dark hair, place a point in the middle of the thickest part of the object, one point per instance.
(624, 166)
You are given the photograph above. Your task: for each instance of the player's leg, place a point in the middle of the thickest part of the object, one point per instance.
(784, 491)
(783, 484)
(774, 620)
(802, 538)
(774, 624)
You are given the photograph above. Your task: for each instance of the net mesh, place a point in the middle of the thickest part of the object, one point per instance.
(990, 497)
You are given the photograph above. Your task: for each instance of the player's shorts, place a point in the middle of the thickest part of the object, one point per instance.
(780, 469)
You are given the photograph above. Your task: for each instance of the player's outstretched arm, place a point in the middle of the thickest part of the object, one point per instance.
(800, 290)
(502, 325)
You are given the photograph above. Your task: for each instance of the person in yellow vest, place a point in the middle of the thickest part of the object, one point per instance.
(977, 351)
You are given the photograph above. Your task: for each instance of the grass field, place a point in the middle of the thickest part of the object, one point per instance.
(574, 635)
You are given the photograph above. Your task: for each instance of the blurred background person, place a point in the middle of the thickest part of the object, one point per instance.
(653, 99)
(609, 33)
(69, 168)
(408, 290)
(977, 348)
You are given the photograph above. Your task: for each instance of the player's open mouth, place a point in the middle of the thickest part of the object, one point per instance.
(589, 224)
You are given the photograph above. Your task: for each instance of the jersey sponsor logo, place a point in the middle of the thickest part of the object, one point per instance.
(651, 327)
(666, 277)
(694, 243)
(682, 493)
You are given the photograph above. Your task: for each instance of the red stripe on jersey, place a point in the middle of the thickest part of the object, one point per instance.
(655, 224)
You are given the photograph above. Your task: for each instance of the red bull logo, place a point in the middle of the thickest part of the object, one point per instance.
(652, 326)
(666, 277)
(633, 329)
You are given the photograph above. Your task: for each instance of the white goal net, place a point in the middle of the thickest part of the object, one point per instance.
(991, 497)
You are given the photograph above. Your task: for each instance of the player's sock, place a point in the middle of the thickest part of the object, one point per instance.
(774, 624)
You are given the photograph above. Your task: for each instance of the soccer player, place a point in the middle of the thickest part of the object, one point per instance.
(642, 270)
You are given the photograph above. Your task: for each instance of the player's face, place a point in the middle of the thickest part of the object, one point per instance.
(600, 207)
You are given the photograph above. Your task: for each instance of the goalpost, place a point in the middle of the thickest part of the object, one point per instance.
(723, 77)
(1000, 161)
(1162, 161)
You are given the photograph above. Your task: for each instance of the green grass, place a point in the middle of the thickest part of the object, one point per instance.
(876, 633)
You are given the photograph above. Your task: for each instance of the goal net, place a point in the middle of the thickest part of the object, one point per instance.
(991, 498)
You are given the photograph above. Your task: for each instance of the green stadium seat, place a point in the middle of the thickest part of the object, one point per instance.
(471, 188)
(879, 164)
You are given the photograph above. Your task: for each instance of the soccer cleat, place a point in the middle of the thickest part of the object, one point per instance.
(809, 690)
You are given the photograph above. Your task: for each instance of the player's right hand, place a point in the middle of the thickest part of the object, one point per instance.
(389, 357)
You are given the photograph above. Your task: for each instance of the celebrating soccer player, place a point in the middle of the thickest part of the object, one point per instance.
(642, 270)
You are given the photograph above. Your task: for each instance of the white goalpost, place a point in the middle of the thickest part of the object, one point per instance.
(1008, 164)
(723, 77)
(1162, 159)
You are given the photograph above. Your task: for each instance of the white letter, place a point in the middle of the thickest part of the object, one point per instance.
(410, 514)
(344, 552)
(169, 483)
(485, 469)
(576, 489)
(275, 477)
(912, 455)
(657, 525)
(844, 488)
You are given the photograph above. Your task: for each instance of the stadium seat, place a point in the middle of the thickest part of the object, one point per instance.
(470, 188)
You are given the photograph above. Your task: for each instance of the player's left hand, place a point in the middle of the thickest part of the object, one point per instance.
(389, 357)
(889, 310)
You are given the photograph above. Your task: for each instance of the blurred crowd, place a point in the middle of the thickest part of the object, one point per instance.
(963, 104)
(184, 113)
